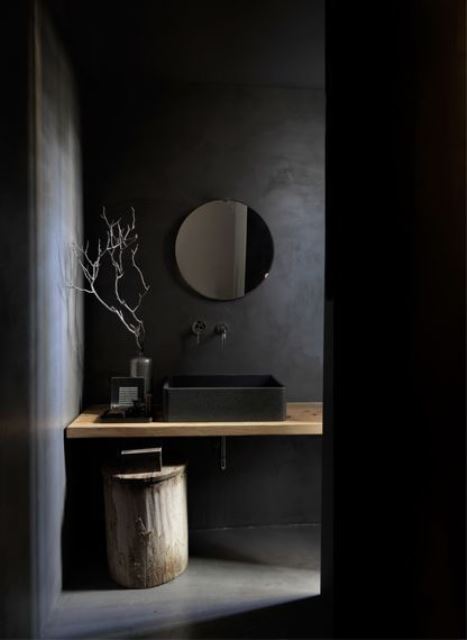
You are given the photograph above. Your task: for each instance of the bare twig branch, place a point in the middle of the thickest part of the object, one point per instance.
(117, 242)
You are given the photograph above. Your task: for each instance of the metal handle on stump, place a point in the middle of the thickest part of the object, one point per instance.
(148, 459)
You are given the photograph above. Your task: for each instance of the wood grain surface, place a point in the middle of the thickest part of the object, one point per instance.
(303, 418)
(146, 526)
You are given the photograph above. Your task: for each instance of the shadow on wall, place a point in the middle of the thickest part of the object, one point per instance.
(83, 529)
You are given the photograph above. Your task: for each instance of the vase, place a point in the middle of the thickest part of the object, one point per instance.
(141, 367)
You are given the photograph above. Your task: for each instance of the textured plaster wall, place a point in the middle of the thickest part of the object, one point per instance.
(58, 317)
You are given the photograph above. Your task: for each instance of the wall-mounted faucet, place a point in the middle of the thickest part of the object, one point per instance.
(198, 328)
(221, 330)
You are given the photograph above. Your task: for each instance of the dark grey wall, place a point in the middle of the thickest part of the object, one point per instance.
(40, 321)
(192, 144)
(260, 43)
(58, 317)
(166, 152)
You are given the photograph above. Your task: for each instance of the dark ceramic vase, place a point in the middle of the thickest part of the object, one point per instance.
(141, 367)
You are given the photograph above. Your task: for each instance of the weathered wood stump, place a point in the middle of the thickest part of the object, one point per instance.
(146, 524)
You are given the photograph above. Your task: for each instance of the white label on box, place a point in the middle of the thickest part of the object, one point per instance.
(126, 395)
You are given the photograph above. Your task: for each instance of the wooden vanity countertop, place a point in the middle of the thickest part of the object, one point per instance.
(303, 419)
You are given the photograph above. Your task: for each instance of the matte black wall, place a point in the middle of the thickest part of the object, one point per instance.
(195, 143)
(165, 153)
(260, 43)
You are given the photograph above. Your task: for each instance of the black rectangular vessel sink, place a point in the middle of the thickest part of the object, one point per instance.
(224, 398)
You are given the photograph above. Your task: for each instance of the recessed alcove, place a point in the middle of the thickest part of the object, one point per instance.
(395, 294)
(164, 106)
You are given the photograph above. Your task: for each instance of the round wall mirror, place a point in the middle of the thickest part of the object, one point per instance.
(224, 249)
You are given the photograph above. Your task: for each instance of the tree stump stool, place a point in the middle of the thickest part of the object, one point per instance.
(146, 521)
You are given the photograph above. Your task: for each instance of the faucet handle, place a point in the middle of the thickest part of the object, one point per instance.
(198, 328)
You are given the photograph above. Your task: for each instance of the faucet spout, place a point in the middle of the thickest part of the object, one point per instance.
(221, 330)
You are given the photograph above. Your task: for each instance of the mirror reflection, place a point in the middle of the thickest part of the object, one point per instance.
(224, 249)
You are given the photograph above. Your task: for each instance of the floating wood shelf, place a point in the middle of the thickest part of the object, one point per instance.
(303, 419)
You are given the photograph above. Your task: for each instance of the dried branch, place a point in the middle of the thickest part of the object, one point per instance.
(116, 245)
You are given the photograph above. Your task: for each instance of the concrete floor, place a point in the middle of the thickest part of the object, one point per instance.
(261, 582)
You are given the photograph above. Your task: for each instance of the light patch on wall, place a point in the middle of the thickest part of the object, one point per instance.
(58, 311)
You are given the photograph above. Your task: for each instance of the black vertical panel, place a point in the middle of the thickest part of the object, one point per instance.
(368, 226)
(395, 282)
(438, 317)
(15, 443)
